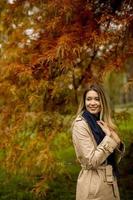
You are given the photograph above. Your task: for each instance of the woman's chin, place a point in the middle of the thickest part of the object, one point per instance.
(94, 112)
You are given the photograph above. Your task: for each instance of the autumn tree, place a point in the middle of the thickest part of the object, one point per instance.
(49, 50)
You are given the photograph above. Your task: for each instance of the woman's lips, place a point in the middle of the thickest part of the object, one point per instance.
(93, 108)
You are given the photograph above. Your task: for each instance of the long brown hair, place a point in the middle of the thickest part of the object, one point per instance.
(105, 113)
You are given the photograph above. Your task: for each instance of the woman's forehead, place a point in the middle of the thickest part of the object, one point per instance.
(92, 93)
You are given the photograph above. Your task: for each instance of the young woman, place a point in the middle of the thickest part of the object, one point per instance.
(98, 147)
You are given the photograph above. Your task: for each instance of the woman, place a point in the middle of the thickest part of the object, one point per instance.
(97, 146)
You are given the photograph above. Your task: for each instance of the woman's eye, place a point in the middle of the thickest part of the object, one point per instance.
(88, 99)
(97, 99)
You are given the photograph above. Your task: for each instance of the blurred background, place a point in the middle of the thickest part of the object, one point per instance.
(49, 51)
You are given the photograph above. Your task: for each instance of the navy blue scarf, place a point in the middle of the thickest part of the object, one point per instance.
(91, 120)
(98, 134)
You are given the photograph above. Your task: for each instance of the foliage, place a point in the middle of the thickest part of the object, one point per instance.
(58, 37)
(124, 123)
(15, 187)
(49, 50)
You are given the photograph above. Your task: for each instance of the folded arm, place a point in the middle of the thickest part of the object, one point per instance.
(86, 152)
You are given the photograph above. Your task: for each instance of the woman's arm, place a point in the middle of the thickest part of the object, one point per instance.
(86, 152)
(120, 149)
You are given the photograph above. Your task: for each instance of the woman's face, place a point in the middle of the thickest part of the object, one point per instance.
(92, 102)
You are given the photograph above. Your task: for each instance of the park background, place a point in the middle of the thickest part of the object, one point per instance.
(49, 51)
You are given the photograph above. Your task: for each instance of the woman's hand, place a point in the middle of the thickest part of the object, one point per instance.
(104, 127)
(109, 131)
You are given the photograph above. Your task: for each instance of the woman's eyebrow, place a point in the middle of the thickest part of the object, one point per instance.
(92, 98)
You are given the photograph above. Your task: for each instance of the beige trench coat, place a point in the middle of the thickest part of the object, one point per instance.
(96, 180)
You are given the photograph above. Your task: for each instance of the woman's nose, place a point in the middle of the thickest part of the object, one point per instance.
(92, 102)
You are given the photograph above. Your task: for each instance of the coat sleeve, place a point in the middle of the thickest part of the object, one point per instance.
(87, 154)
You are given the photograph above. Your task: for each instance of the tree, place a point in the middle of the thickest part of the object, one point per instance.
(81, 39)
(49, 50)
